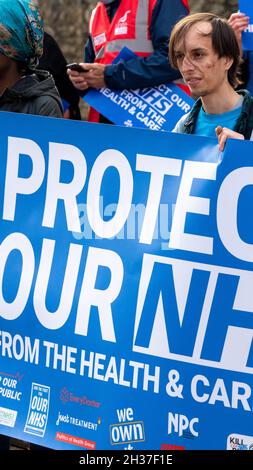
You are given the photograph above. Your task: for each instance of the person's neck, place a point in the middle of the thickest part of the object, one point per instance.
(221, 101)
(9, 80)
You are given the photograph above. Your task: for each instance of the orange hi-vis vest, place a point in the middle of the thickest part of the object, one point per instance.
(130, 27)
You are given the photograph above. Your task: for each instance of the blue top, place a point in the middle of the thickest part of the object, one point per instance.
(149, 71)
(207, 123)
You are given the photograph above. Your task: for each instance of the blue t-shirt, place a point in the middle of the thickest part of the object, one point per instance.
(207, 123)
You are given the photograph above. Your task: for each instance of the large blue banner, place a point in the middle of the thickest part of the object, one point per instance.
(126, 304)
(246, 6)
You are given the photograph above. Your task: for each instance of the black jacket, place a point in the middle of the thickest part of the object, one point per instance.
(54, 61)
(33, 94)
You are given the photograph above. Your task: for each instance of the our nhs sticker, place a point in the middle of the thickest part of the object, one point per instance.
(36, 421)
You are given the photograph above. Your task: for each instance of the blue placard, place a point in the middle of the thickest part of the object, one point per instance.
(126, 306)
(157, 108)
(246, 6)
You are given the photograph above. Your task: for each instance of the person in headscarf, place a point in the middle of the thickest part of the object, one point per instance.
(23, 88)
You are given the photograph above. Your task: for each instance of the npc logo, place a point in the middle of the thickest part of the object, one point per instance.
(183, 426)
(36, 421)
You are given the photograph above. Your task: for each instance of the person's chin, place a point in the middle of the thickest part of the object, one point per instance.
(195, 92)
(196, 87)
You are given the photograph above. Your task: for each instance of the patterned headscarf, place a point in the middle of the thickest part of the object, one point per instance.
(21, 31)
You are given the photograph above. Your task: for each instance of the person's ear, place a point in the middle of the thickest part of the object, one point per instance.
(228, 62)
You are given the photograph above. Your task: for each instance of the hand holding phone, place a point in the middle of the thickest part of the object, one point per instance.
(76, 67)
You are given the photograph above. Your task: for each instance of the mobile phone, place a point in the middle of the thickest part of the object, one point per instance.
(75, 66)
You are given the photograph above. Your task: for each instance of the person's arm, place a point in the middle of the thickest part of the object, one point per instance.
(47, 106)
(238, 22)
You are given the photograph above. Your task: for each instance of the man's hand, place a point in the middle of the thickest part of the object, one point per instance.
(93, 76)
(223, 133)
(79, 79)
(239, 22)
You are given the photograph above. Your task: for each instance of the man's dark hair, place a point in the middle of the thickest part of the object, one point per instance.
(224, 40)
